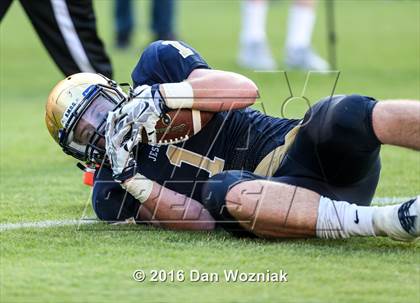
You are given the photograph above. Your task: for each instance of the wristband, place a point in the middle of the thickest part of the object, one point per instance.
(139, 187)
(178, 95)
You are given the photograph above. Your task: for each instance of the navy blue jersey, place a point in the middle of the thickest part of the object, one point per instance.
(166, 62)
(231, 140)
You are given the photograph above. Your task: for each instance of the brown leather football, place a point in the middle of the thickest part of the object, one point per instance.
(179, 125)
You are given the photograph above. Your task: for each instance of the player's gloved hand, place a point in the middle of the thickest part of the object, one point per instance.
(124, 129)
(151, 92)
(119, 144)
(119, 149)
(145, 108)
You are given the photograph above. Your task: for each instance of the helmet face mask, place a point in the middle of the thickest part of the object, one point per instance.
(83, 132)
(76, 113)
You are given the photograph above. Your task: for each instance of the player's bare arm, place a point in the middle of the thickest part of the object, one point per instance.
(205, 90)
(216, 90)
(169, 209)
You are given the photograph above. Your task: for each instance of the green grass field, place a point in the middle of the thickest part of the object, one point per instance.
(378, 55)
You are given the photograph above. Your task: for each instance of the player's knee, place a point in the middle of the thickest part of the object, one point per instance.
(349, 118)
(234, 194)
(214, 199)
(215, 191)
(242, 199)
(110, 203)
(350, 113)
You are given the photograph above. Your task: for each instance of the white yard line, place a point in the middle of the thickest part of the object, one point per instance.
(44, 224)
(55, 223)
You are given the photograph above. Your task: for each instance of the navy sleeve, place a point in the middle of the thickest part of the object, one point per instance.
(166, 62)
(109, 200)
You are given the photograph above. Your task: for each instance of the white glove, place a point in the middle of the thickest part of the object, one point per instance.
(124, 127)
(118, 146)
(144, 110)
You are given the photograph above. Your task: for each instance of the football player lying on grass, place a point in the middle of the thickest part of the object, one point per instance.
(248, 172)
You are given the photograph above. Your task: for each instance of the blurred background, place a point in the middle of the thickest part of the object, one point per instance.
(378, 54)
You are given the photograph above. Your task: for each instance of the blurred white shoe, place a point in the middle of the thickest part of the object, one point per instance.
(400, 222)
(256, 56)
(305, 59)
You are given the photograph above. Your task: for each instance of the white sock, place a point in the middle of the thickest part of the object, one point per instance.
(254, 15)
(300, 26)
(338, 219)
(387, 223)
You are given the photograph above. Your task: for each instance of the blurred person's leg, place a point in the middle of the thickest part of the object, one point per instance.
(124, 22)
(162, 21)
(254, 52)
(68, 31)
(301, 21)
(4, 6)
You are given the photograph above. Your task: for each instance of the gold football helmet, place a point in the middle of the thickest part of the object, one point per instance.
(76, 111)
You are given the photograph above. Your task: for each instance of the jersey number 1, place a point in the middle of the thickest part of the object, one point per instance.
(177, 155)
(183, 50)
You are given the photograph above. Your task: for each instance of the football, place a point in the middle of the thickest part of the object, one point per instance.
(179, 125)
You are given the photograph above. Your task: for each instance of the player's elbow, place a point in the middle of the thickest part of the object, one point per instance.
(248, 91)
(197, 217)
(206, 221)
